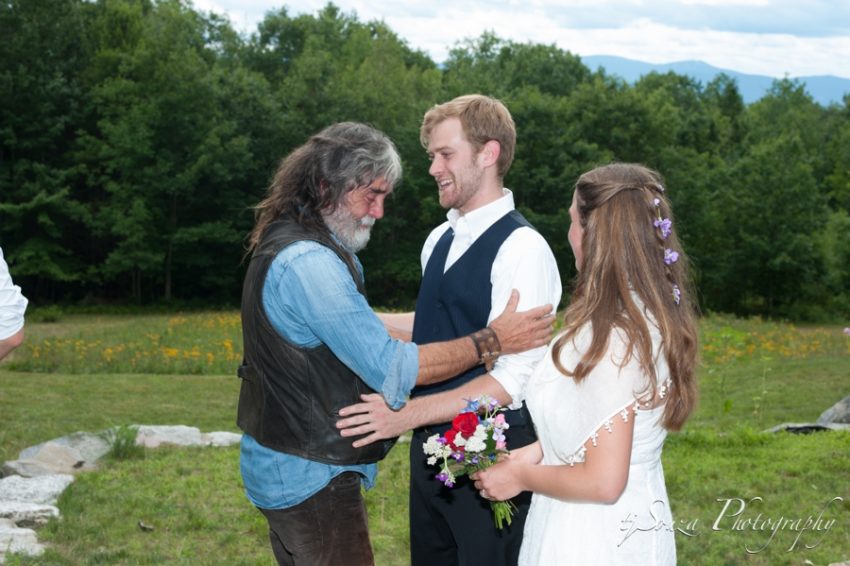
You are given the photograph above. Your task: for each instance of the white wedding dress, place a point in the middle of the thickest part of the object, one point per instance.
(637, 530)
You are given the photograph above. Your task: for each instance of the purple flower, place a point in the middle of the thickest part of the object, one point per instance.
(458, 456)
(847, 331)
(670, 256)
(444, 478)
(666, 227)
(677, 294)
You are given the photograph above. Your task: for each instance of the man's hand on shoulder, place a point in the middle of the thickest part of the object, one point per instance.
(521, 331)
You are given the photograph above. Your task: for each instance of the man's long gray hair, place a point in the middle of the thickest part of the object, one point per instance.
(315, 178)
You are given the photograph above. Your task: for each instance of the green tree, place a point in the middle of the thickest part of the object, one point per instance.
(773, 210)
(41, 216)
(181, 144)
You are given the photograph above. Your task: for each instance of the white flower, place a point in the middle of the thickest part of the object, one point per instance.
(477, 443)
(434, 448)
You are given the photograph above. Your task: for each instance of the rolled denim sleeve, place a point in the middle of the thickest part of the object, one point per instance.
(311, 299)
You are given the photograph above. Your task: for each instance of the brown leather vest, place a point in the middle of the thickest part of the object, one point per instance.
(291, 396)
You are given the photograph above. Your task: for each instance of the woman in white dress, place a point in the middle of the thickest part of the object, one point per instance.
(619, 375)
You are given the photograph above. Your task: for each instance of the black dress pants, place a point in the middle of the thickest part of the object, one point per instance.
(454, 526)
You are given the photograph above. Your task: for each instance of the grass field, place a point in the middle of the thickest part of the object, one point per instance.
(93, 372)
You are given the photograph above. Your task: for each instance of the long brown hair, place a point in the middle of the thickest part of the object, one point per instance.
(316, 176)
(624, 254)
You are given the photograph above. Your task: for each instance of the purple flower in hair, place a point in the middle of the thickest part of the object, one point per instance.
(677, 294)
(666, 227)
(670, 256)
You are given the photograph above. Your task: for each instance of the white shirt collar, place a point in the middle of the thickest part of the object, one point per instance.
(479, 220)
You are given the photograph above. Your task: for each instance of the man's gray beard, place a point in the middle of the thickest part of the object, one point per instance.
(348, 229)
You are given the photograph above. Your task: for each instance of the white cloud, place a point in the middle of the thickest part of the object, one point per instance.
(725, 2)
(658, 32)
(763, 54)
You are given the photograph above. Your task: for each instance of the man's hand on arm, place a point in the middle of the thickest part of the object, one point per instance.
(521, 331)
(516, 331)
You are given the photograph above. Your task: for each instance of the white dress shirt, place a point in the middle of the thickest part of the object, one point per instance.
(12, 303)
(524, 262)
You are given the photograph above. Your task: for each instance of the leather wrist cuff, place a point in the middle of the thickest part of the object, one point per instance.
(487, 346)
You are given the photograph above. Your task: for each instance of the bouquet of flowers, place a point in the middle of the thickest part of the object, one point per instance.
(474, 442)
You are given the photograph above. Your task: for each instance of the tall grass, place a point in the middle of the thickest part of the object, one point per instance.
(211, 343)
(196, 343)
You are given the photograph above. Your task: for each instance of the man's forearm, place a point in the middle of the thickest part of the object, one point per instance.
(441, 360)
(442, 407)
(373, 420)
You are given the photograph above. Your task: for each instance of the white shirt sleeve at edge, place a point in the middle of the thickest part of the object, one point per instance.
(525, 262)
(12, 303)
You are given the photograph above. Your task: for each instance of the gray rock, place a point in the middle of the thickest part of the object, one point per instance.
(838, 413)
(17, 540)
(42, 472)
(153, 436)
(41, 489)
(48, 458)
(221, 438)
(27, 514)
(808, 427)
(25, 468)
(86, 446)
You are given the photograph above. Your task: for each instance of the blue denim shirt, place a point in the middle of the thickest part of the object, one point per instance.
(310, 299)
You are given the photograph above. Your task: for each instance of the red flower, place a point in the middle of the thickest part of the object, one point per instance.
(450, 438)
(465, 423)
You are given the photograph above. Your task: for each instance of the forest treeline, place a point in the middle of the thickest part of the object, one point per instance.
(135, 136)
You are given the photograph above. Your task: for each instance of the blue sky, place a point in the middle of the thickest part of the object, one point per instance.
(766, 37)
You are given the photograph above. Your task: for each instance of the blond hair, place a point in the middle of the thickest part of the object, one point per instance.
(483, 119)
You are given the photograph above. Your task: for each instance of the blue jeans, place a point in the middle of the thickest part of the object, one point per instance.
(329, 528)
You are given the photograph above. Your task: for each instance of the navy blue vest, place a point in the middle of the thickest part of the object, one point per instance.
(457, 302)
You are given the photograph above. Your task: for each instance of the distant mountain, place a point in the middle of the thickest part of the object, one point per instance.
(823, 89)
